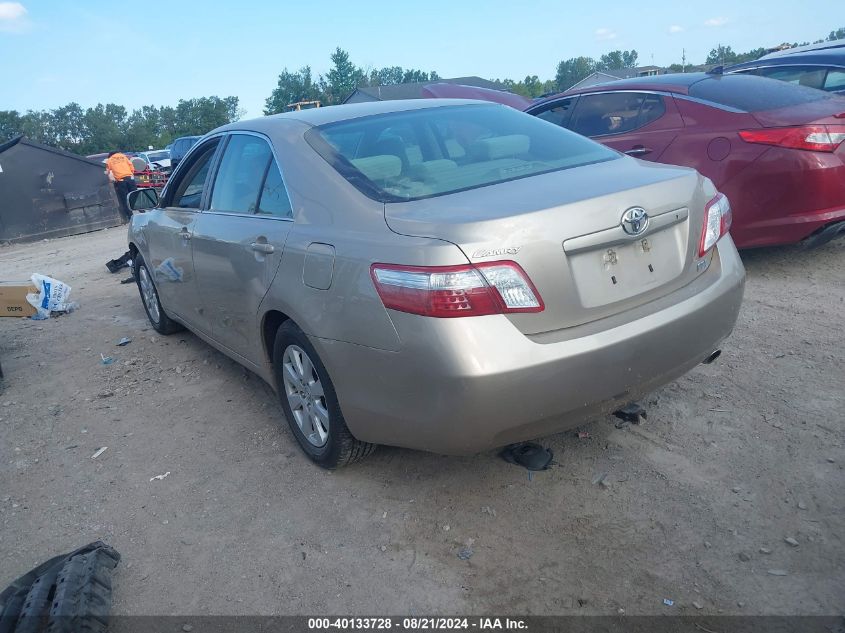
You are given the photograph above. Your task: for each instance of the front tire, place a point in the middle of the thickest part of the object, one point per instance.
(310, 403)
(161, 323)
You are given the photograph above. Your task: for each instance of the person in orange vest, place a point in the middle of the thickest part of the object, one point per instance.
(120, 172)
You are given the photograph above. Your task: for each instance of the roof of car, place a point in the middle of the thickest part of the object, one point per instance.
(332, 114)
(814, 48)
(675, 82)
(827, 56)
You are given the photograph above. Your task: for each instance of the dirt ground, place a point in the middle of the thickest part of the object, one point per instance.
(733, 458)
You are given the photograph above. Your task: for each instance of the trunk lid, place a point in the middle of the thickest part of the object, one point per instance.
(564, 229)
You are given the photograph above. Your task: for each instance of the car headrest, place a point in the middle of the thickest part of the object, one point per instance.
(432, 168)
(500, 147)
(378, 167)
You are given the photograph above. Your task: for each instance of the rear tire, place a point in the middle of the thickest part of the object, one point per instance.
(161, 323)
(310, 403)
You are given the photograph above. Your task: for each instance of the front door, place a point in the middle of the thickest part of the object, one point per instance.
(640, 124)
(239, 240)
(169, 238)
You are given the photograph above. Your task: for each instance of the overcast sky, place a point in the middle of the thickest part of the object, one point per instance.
(139, 53)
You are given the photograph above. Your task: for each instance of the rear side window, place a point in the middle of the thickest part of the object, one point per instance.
(835, 79)
(241, 173)
(810, 76)
(615, 112)
(441, 150)
(753, 94)
(274, 196)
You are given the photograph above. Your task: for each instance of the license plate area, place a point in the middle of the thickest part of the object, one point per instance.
(617, 272)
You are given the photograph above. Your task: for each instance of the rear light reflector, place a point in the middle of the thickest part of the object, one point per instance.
(817, 138)
(456, 291)
(718, 218)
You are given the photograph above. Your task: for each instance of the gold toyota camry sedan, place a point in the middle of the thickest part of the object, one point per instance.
(443, 275)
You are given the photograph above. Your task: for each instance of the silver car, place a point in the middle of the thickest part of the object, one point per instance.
(445, 275)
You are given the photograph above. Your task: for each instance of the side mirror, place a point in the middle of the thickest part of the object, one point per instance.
(142, 199)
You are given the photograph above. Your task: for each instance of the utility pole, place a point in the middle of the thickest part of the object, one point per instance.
(683, 60)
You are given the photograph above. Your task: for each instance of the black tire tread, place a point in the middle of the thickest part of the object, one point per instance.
(82, 600)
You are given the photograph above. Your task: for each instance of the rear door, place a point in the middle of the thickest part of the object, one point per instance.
(239, 240)
(640, 124)
(169, 238)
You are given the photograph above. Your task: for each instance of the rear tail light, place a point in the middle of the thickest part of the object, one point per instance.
(456, 291)
(717, 222)
(817, 138)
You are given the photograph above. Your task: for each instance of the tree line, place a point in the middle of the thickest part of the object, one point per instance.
(107, 127)
(111, 126)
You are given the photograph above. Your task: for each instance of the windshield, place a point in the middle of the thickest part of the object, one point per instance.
(436, 151)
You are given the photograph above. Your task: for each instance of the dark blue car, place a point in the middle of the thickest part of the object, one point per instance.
(819, 66)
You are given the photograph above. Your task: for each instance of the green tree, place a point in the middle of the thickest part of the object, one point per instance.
(616, 60)
(10, 124)
(198, 116)
(290, 88)
(342, 78)
(571, 71)
(721, 55)
(67, 127)
(838, 34)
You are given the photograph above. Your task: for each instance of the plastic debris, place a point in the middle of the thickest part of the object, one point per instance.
(529, 455)
(791, 541)
(160, 477)
(124, 341)
(633, 413)
(52, 296)
(777, 572)
(465, 553)
(99, 452)
(668, 602)
(106, 360)
(599, 478)
(584, 435)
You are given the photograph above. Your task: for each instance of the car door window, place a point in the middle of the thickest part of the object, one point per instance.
(274, 196)
(558, 112)
(615, 112)
(835, 80)
(189, 190)
(241, 173)
(811, 76)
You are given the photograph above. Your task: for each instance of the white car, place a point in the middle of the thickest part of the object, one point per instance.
(160, 157)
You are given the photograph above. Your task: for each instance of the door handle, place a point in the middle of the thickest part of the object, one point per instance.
(263, 247)
(184, 234)
(639, 151)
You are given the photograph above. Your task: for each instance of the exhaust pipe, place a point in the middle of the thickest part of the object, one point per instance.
(713, 356)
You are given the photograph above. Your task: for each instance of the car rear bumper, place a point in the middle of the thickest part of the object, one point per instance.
(459, 386)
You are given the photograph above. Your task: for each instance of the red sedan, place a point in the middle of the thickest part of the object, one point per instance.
(777, 150)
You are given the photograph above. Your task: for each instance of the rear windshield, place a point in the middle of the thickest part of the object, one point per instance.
(436, 151)
(753, 94)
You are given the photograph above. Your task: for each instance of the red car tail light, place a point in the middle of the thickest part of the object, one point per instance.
(717, 222)
(456, 291)
(817, 138)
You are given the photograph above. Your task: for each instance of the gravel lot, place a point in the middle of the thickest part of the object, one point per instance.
(734, 458)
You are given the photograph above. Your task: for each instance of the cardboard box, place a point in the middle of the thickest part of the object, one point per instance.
(13, 301)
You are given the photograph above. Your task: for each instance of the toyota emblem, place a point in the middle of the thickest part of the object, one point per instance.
(635, 221)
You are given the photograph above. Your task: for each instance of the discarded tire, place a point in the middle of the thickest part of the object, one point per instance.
(71, 592)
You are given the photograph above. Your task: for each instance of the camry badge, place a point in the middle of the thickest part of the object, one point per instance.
(635, 221)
